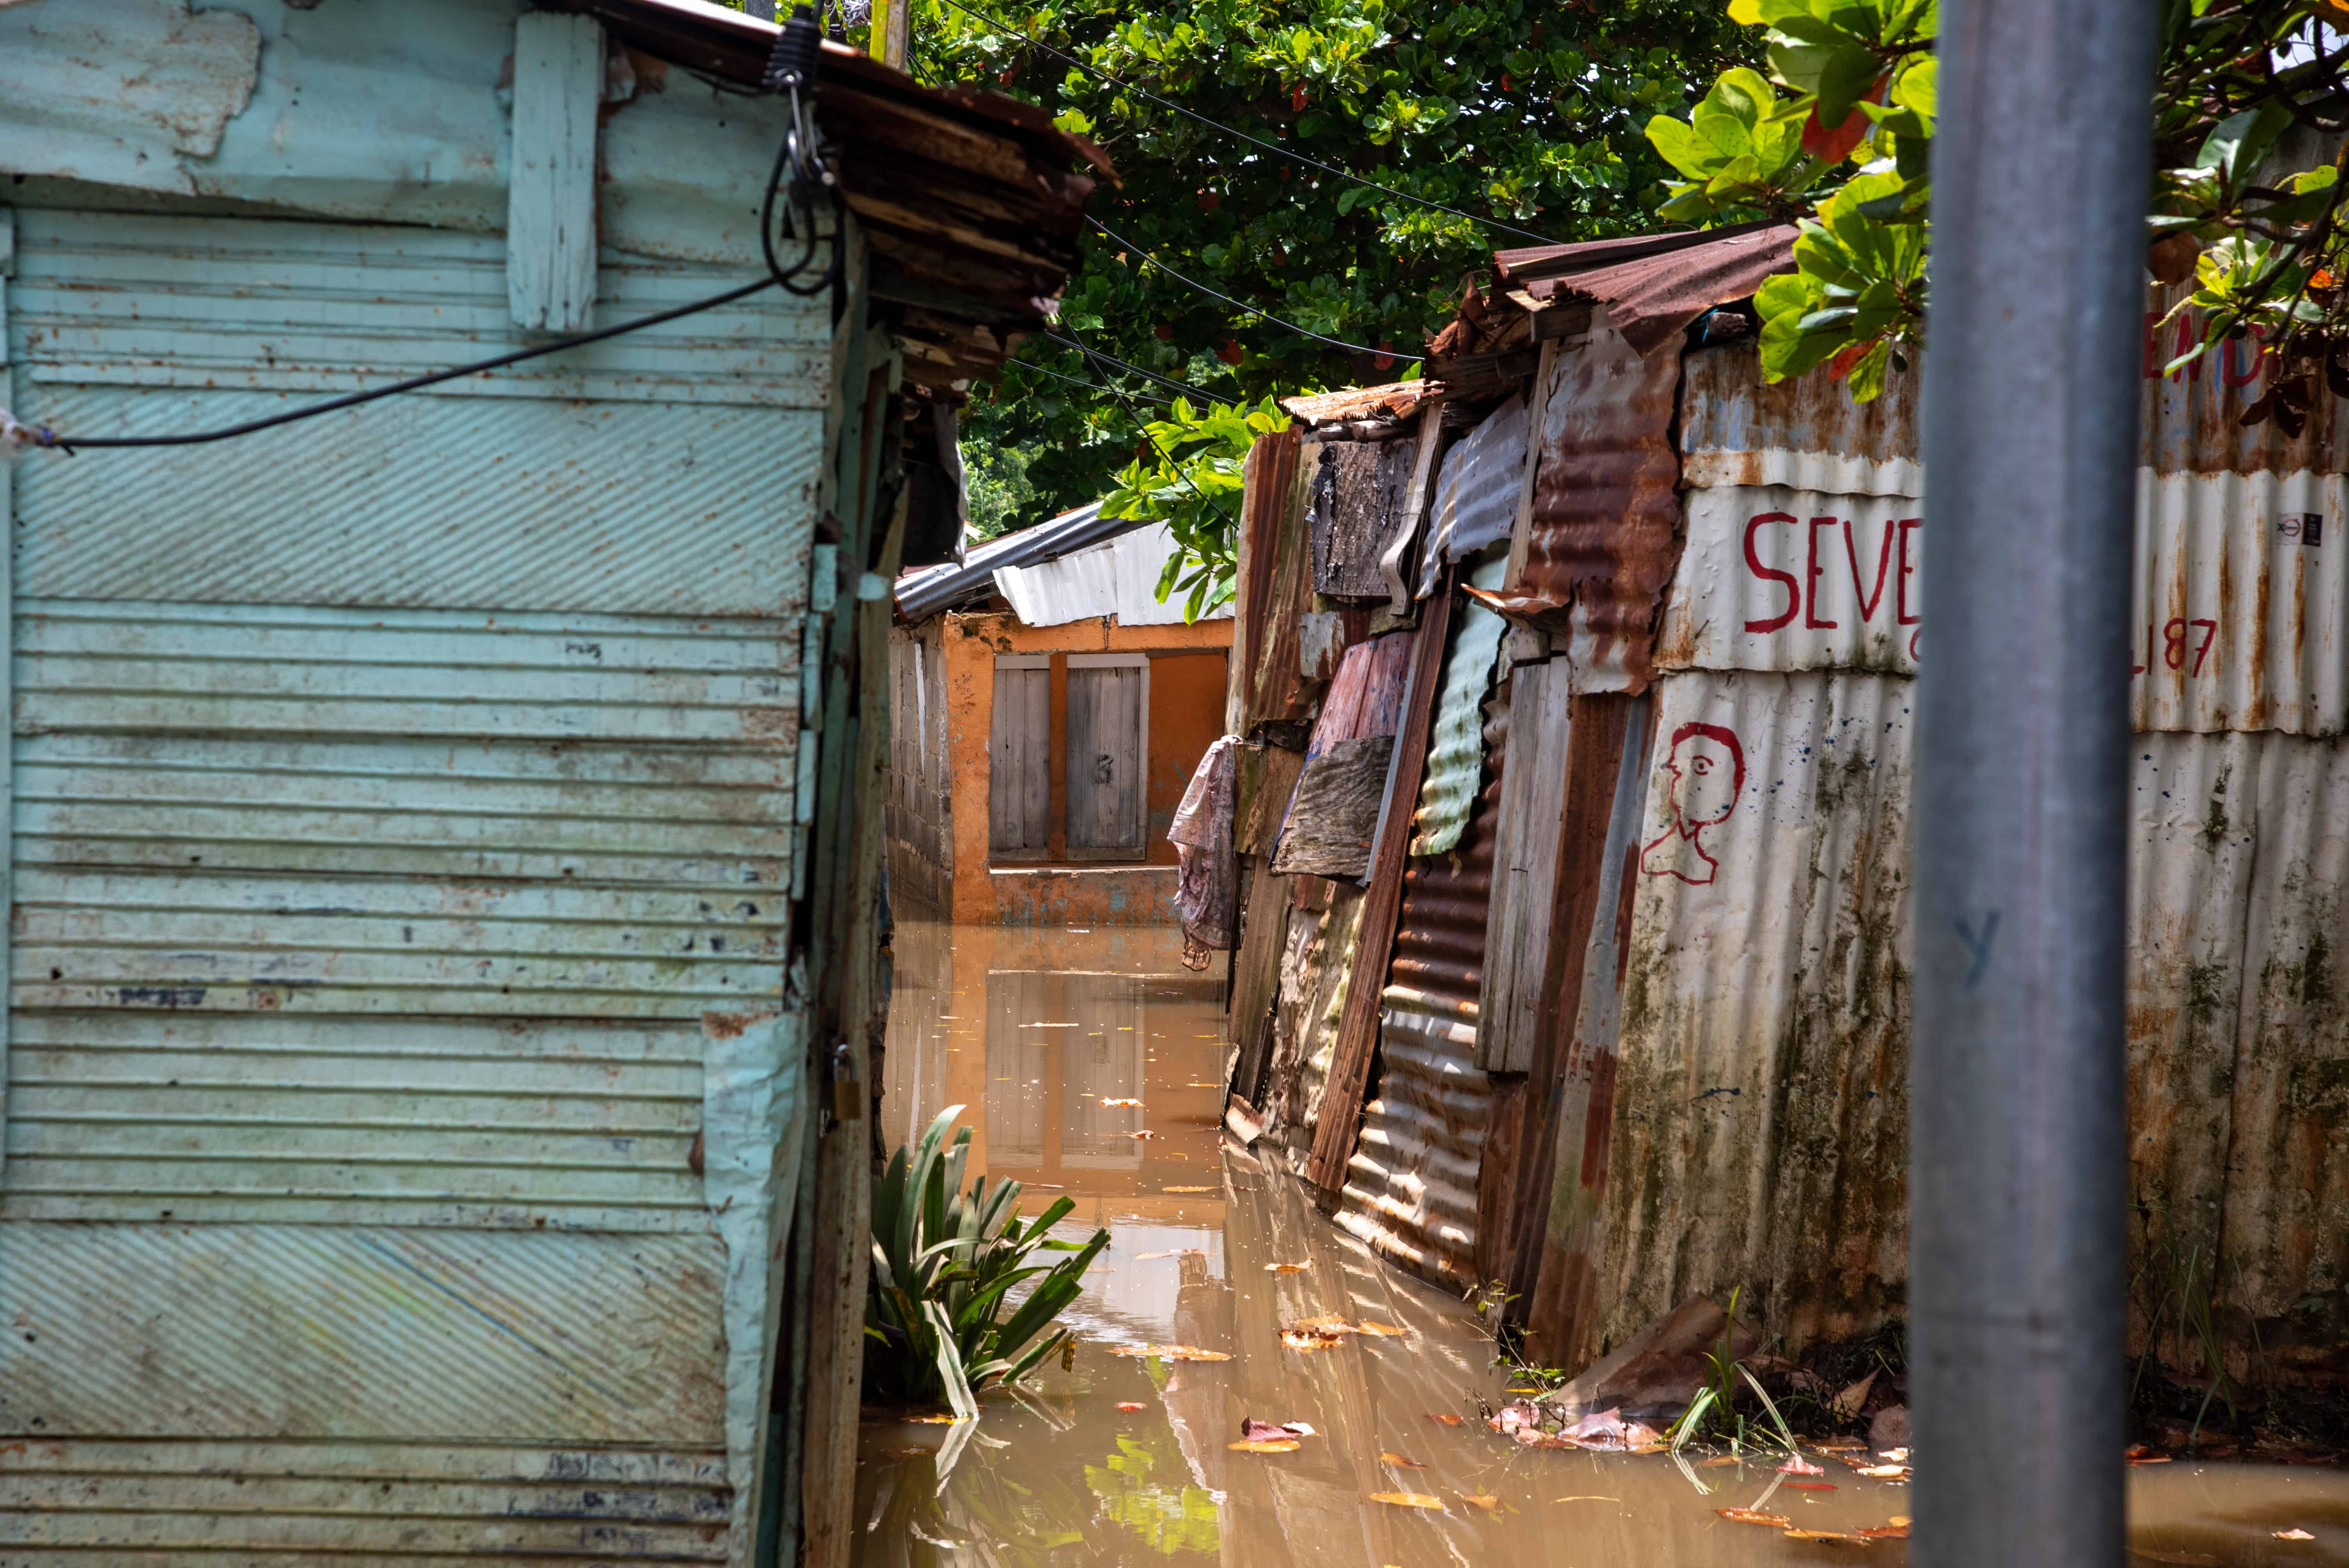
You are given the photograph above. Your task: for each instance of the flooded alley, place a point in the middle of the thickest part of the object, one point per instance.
(1121, 1459)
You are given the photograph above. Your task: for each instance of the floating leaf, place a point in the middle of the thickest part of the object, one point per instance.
(1797, 1465)
(1185, 1191)
(1383, 1330)
(1273, 1432)
(1718, 1460)
(1794, 1534)
(1895, 1530)
(1894, 1473)
(1408, 1499)
(1327, 1323)
(1169, 1352)
(1128, 1405)
(1448, 1421)
(934, 1420)
(1395, 1459)
(1809, 1485)
(1266, 1446)
(1588, 1497)
(1121, 1104)
(1284, 1268)
(1754, 1516)
(1307, 1339)
(1488, 1503)
(1139, 1136)
(2295, 1533)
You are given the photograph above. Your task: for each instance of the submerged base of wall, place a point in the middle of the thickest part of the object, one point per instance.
(1076, 895)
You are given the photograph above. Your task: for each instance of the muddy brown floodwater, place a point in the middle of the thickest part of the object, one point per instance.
(1127, 1460)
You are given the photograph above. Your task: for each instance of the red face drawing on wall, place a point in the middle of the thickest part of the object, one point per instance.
(1707, 767)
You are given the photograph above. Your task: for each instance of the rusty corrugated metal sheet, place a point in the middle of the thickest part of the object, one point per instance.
(1314, 965)
(1654, 285)
(1410, 1187)
(1805, 432)
(1760, 1124)
(1606, 519)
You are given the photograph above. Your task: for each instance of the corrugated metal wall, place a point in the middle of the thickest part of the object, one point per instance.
(404, 813)
(1410, 1187)
(1765, 1007)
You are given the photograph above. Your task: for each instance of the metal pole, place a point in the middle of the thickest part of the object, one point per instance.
(2018, 1172)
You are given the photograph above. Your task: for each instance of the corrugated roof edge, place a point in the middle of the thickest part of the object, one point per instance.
(952, 585)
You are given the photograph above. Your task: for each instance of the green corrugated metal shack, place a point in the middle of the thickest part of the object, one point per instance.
(445, 933)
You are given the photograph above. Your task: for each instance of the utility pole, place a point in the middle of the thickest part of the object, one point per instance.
(2018, 1176)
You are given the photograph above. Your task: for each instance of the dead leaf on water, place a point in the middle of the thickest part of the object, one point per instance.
(1187, 1189)
(1408, 1499)
(1885, 1472)
(933, 1420)
(1121, 1104)
(1489, 1503)
(1284, 1268)
(1395, 1459)
(1844, 1536)
(1718, 1460)
(1809, 1485)
(1266, 1446)
(1383, 1330)
(1128, 1405)
(1588, 1497)
(1169, 1352)
(1329, 1323)
(1754, 1516)
(1895, 1530)
(1898, 1456)
(2295, 1533)
(1447, 1420)
(1273, 1432)
(1307, 1339)
(1797, 1465)
(1139, 1136)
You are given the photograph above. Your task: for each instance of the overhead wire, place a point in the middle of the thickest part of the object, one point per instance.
(1007, 31)
(1077, 381)
(1127, 365)
(1243, 305)
(1165, 456)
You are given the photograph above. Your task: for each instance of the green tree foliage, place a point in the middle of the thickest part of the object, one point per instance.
(2249, 94)
(1521, 113)
(1190, 479)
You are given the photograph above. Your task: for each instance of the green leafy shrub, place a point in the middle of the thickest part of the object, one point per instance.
(1192, 481)
(944, 1261)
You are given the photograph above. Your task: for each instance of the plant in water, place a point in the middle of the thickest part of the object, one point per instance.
(944, 1263)
(1714, 1408)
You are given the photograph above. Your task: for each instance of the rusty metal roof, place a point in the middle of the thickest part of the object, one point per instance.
(1654, 285)
(971, 202)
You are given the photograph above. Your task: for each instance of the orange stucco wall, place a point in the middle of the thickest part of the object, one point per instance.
(1186, 704)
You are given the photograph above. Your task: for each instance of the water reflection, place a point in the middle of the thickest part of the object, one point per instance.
(1034, 1030)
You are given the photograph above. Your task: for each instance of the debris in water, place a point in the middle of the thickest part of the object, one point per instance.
(1798, 1534)
(1408, 1499)
(1266, 1446)
(1109, 1104)
(1273, 1432)
(1169, 1352)
(1381, 1330)
(1588, 1497)
(1895, 1530)
(1488, 1503)
(1754, 1516)
(1888, 1473)
(1138, 1137)
(1128, 1405)
(1329, 1323)
(2295, 1533)
(1809, 1485)
(1284, 1268)
(1177, 1253)
(1395, 1459)
(1797, 1465)
(1448, 1421)
(1185, 1191)
(1307, 1339)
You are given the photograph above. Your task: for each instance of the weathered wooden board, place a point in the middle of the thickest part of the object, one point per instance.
(1265, 778)
(1532, 818)
(1105, 709)
(1276, 585)
(1256, 970)
(1335, 813)
(558, 93)
(1019, 758)
(1359, 502)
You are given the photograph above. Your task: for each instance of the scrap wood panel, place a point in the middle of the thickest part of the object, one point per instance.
(1275, 589)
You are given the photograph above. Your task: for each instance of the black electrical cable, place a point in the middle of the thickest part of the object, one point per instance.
(808, 167)
(1167, 457)
(1094, 70)
(1242, 304)
(1128, 366)
(1096, 386)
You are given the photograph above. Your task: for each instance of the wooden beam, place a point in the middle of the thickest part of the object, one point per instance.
(1358, 1026)
(558, 89)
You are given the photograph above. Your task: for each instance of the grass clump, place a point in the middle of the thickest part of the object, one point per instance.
(944, 1263)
